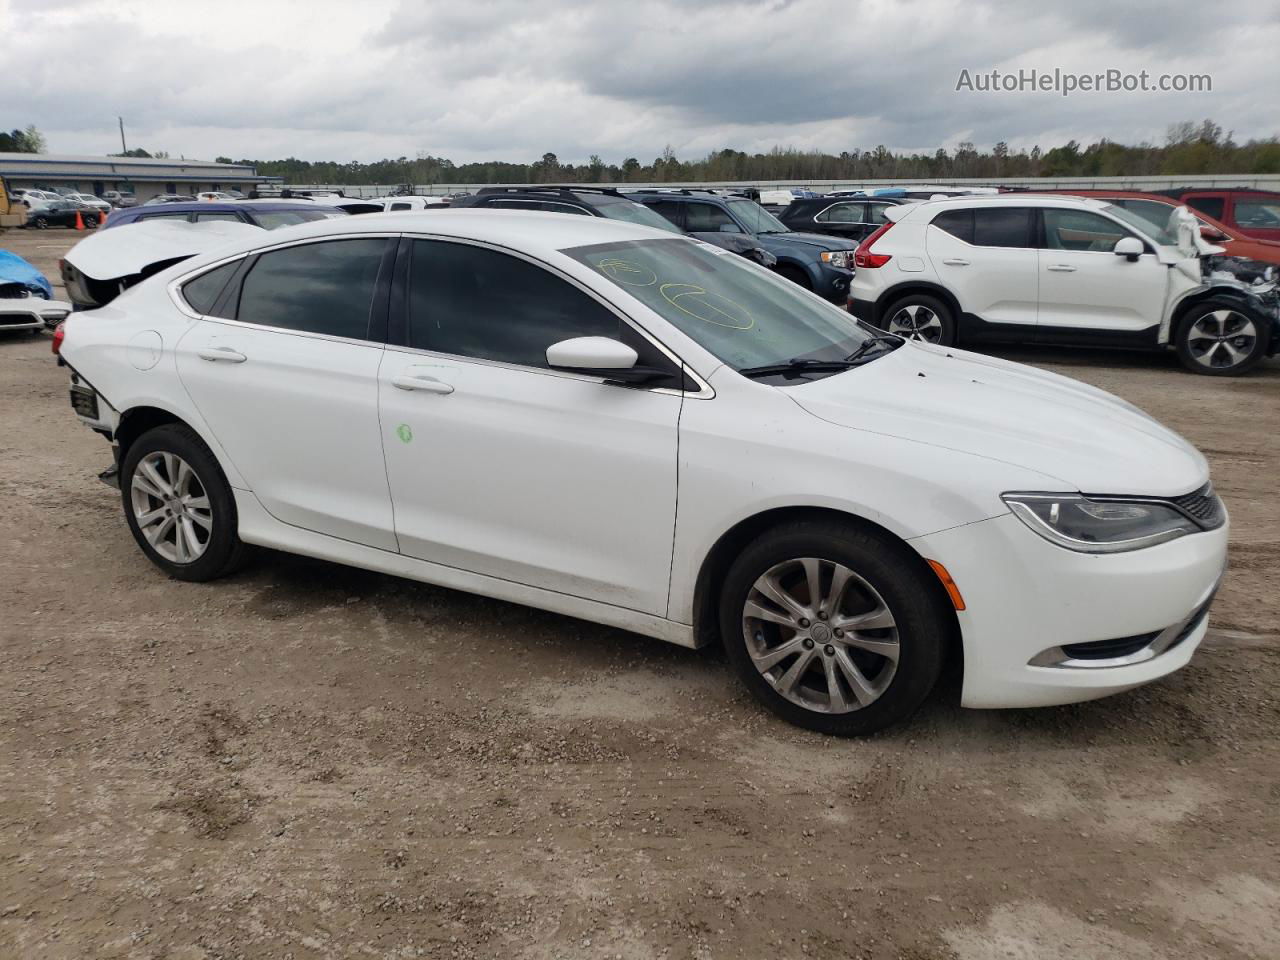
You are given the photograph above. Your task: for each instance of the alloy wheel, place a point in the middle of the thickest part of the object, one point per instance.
(1222, 339)
(916, 322)
(821, 635)
(171, 507)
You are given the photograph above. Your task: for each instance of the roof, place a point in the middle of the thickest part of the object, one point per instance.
(1007, 200)
(220, 206)
(526, 230)
(122, 168)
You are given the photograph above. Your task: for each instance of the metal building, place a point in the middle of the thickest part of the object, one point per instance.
(143, 177)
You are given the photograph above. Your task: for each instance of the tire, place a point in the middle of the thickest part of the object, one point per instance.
(919, 316)
(201, 517)
(40, 223)
(790, 667)
(795, 275)
(1219, 338)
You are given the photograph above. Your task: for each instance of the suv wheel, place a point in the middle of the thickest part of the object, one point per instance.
(179, 505)
(921, 317)
(833, 627)
(795, 275)
(1220, 339)
(40, 223)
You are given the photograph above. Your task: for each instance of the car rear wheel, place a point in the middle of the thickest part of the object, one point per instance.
(834, 627)
(179, 505)
(1220, 339)
(40, 223)
(921, 317)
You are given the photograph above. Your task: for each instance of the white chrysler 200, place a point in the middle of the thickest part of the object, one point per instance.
(613, 423)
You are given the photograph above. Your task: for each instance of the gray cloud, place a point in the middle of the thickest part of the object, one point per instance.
(511, 79)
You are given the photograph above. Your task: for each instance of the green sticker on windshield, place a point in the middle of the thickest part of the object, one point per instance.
(405, 433)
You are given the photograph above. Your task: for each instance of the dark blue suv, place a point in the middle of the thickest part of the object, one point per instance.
(823, 264)
(268, 214)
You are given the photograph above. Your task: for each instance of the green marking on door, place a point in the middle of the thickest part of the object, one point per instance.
(405, 433)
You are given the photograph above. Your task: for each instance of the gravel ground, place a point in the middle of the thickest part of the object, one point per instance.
(311, 761)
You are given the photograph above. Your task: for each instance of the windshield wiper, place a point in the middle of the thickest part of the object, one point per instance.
(797, 365)
(870, 342)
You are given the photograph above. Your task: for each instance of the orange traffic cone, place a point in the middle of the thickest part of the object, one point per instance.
(79, 221)
(102, 218)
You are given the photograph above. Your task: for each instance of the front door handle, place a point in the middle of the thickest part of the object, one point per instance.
(425, 384)
(1062, 268)
(956, 262)
(225, 354)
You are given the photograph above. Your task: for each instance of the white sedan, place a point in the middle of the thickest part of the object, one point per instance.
(610, 422)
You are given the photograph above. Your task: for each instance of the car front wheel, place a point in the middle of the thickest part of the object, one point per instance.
(921, 317)
(179, 505)
(1220, 339)
(835, 628)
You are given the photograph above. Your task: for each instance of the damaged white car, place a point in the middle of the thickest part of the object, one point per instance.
(1064, 270)
(103, 265)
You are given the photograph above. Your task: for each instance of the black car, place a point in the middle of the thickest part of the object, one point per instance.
(823, 264)
(852, 217)
(60, 213)
(604, 202)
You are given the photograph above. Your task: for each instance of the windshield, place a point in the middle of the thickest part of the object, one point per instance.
(633, 212)
(756, 218)
(1144, 226)
(274, 219)
(744, 315)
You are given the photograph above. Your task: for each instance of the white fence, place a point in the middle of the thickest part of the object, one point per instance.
(1255, 181)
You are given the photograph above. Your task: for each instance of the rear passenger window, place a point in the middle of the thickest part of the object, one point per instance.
(999, 227)
(958, 223)
(1209, 206)
(473, 302)
(202, 292)
(399, 206)
(669, 209)
(322, 287)
(841, 213)
(202, 217)
(875, 212)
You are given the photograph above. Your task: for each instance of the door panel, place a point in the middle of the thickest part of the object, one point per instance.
(545, 479)
(1084, 285)
(998, 284)
(298, 416)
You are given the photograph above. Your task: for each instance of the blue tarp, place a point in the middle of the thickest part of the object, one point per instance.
(13, 269)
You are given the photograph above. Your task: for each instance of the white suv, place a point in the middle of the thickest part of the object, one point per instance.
(1063, 270)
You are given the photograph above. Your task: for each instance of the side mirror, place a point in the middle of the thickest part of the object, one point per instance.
(1130, 248)
(1212, 234)
(601, 357)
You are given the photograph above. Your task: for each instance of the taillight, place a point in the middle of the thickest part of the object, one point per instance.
(864, 259)
(59, 334)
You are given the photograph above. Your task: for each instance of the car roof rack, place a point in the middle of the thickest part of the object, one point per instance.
(560, 189)
(687, 191)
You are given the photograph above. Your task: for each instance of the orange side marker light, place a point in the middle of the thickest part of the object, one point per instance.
(953, 591)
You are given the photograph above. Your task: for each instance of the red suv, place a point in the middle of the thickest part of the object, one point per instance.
(1255, 213)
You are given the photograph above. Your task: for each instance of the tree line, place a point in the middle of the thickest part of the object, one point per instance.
(1190, 148)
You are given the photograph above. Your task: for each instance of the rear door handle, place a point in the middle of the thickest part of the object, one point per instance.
(1062, 268)
(425, 384)
(956, 262)
(225, 354)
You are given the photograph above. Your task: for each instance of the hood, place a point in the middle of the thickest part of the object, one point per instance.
(819, 241)
(1089, 440)
(124, 252)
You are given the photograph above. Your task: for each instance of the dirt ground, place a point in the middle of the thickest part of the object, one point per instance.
(310, 761)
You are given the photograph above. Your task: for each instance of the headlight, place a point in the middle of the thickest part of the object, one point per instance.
(838, 258)
(1098, 526)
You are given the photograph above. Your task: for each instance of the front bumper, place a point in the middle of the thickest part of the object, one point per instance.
(32, 313)
(1027, 599)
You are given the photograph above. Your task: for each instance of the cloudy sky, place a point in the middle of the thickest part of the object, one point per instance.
(501, 79)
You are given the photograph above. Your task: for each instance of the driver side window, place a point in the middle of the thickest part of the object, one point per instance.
(469, 301)
(1080, 230)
